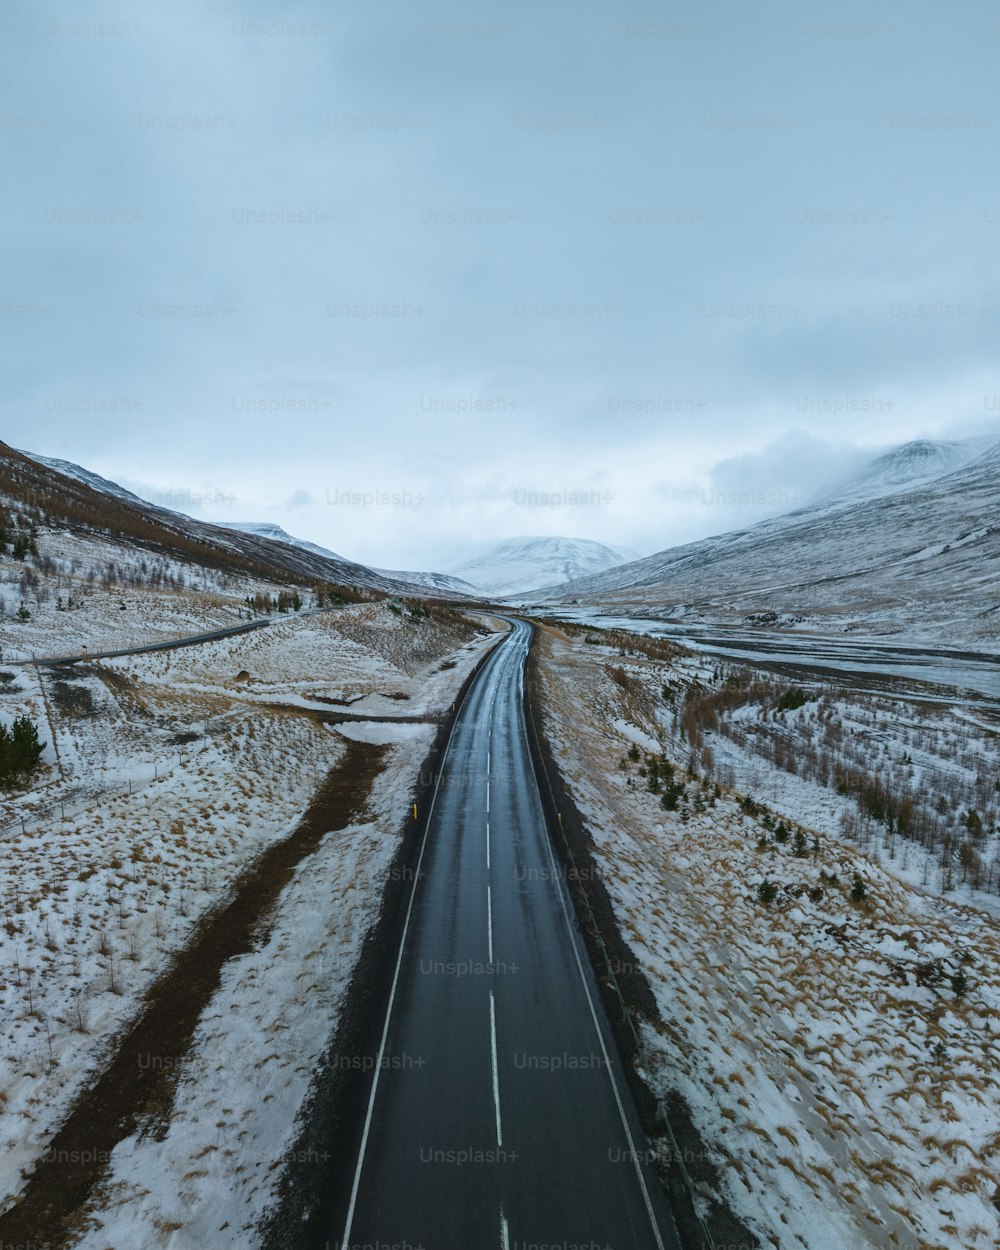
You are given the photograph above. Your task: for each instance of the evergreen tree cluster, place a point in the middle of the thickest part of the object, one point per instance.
(17, 536)
(20, 751)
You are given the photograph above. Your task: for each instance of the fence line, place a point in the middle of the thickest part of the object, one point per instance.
(63, 809)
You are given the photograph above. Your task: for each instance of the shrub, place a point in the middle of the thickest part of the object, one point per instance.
(619, 677)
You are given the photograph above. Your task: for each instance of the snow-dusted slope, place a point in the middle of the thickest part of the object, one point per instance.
(524, 564)
(94, 480)
(924, 561)
(903, 468)
(269, 529)
(443, 582)
(74, 497)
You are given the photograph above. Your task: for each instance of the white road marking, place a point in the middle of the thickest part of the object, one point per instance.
(487, 845)
(392, 999)
(489, 918)
(504, 1232)
(634, 1154)
(496, 1070)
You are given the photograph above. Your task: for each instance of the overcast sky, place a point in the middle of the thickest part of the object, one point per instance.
(402, 275)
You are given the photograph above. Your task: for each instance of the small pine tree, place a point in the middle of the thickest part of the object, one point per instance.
(959, 983)
(20, 751)
(767, 892)
(859, 891)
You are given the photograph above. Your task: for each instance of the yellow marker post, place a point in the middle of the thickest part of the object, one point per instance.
(414, 811)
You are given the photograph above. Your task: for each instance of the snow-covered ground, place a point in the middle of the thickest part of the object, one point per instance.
(100, 596)
(209, 1179)
(222, 756)
(839, 1055)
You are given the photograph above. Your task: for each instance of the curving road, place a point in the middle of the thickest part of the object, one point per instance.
(499, 1114)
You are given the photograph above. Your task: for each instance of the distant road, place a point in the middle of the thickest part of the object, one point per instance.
(187, 640)
(191, 640)
(876, 661)
(499, 1113)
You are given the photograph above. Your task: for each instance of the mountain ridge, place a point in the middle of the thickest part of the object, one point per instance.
(901, 468)
(76, 498)
(923, 559)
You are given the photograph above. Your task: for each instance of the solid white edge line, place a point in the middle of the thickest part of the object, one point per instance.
(395, 977)
(496, 1069)
(489, 918)
(607, 1061)
(597, 1025)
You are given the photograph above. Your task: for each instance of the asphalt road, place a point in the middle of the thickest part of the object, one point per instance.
(499, 1114)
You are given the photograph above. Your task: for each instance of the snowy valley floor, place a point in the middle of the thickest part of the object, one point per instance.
(176, 771)
(846, 1092)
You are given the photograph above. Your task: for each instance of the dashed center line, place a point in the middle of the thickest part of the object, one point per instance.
(489, 918)
(496, 1069)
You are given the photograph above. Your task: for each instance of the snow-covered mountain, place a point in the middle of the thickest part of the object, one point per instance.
(924, 561)
(902, 468)
(520, 565)
(270, 529)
